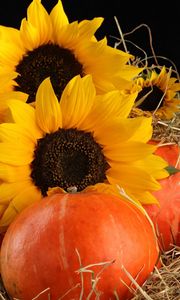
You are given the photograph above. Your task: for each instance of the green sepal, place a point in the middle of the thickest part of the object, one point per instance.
(172, 170)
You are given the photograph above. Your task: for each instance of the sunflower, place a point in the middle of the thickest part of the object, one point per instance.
(157, 95)
(47, 45)
(77, 142)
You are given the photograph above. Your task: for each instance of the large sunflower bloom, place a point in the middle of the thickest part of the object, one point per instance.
(47, 45)
(158, 95)
(78, 141)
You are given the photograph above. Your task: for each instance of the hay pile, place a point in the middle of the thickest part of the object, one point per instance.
(164, 283)
(167, 131)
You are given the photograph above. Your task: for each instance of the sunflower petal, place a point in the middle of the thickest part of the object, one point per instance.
(24, 115)
(37, 30)
(2, 210)
(120, 130)
(153, 165)
(7, 56)
(111, 104)
(10, 190)
(58, 17)
(131, 178)
(17, 95)
(29, 35)
(77, 100)
(69, 38)
(105, 188)
(88, 28)
(105, 59)
(48, 113)
(15, 155)
(24, 199)
(127, 72)
(10, 34)
(127, 102)
(160, 174)
(145, 129)
(128, 151)
(145, 198)
(10, 132)
(10, 173)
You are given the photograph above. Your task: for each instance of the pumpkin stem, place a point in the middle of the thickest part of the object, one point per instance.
(72, 189)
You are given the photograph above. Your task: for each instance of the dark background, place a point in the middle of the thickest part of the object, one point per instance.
(163, 22)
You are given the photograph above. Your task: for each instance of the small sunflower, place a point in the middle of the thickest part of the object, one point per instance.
(47, 45)
(77, 142)
(157, 95)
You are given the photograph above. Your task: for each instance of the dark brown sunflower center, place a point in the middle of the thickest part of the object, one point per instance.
(68, 158)
(152, 98)
(46, 61)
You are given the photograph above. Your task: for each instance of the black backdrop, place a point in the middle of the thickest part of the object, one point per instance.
(163, 22)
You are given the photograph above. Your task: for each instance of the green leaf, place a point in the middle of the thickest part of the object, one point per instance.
(172, 170)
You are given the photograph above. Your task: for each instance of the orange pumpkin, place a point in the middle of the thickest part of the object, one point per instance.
(48, 243)
(166, 217)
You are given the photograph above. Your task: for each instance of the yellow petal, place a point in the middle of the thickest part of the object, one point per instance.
(110, 105)
(24, 115)
(88, 28)
(153, 164)
(58, 17)
(128, 197)
(113, 189)
(98, 58)
(10, 34)
(120, 130)
(9, 57)
(160, 174)
(146, 198)
(10, 190)
(6, 77)
(176, 87)
(2, 210)
(69, 36)
(17, 95)
(144, 131)
(126, 104)
(5, 115)
(77, 100)
(15, 154)
(131, 178)
(48, 113)
(128, 151)
(37, 30)
(10, 173)
(127, 72)
(29, 35)
(105, 188)
(24, 199)
(14, 133)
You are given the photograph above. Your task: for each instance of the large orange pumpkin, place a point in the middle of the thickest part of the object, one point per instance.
(50, 241)
(166, 217)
